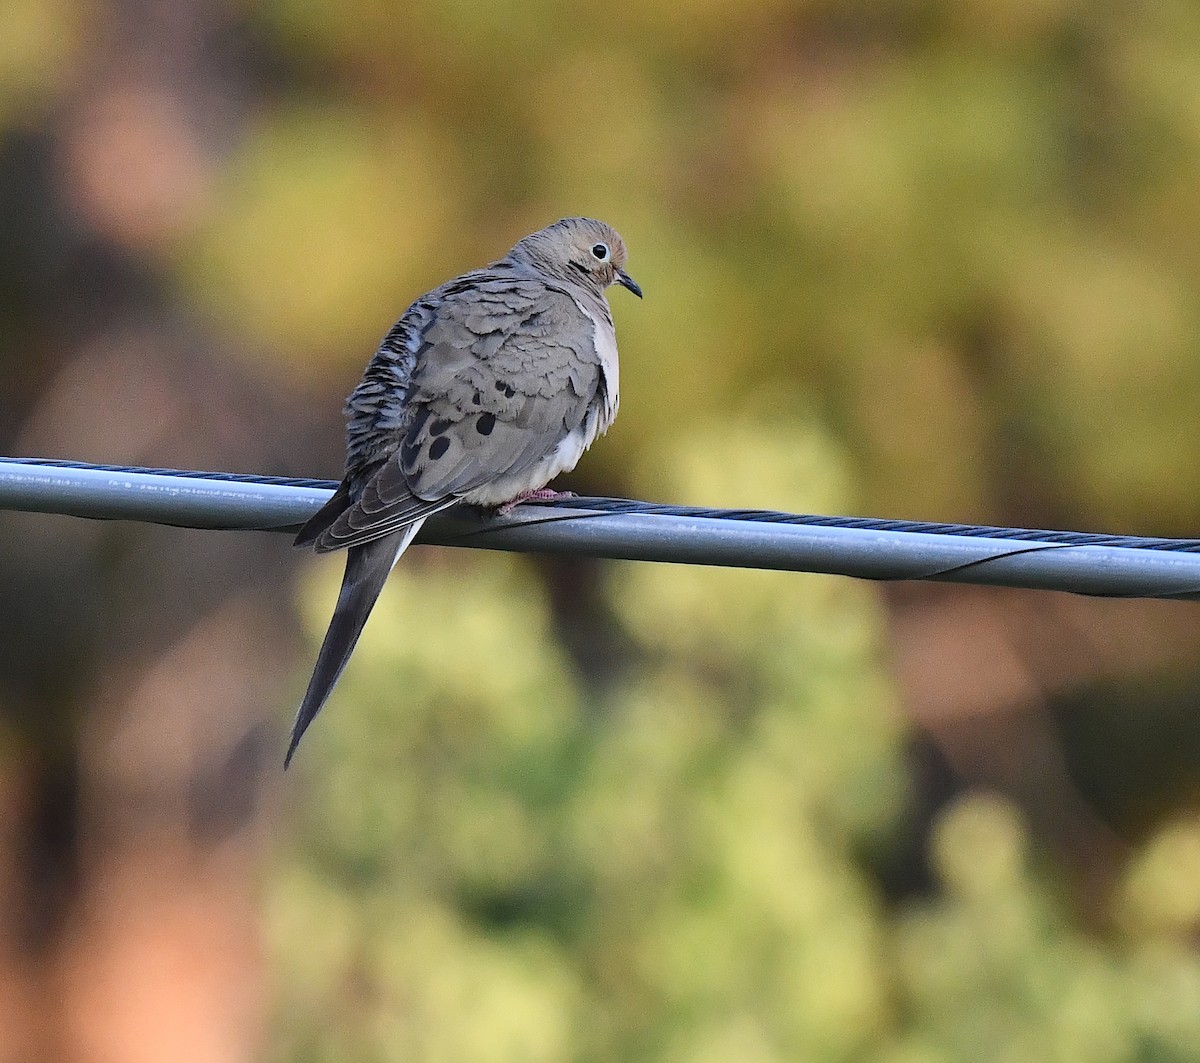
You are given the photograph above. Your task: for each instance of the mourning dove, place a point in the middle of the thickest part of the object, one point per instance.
(485, 390)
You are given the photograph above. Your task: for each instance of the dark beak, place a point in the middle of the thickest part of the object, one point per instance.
(626, 281)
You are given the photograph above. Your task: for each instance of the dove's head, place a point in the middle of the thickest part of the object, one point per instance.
(582, 250)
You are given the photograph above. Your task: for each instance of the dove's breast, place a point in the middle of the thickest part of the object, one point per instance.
(604, 339)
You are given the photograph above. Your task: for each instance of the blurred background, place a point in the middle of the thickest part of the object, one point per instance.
(912, 258)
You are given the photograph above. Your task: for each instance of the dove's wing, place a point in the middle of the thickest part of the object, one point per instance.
(506, 370)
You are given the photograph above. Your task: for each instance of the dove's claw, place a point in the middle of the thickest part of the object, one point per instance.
(542, 494)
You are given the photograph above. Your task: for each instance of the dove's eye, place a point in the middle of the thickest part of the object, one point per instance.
(600, 251)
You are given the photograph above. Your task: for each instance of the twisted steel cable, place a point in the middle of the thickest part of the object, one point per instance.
(868, 548)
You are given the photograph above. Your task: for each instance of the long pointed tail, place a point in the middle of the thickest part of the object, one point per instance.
(367, 569)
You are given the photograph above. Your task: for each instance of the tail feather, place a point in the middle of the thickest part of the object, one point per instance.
(337, 504)
(367, 569)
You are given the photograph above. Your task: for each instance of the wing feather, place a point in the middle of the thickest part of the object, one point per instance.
(504, 370)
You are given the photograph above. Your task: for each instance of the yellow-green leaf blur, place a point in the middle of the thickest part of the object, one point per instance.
(928, 259)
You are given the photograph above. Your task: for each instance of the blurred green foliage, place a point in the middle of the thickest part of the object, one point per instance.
(500, 864)
(40, 38)
(925, 259)
(961, 234)
(495, 863)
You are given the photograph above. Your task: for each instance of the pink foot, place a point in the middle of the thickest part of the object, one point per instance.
(542, 494)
